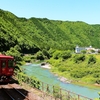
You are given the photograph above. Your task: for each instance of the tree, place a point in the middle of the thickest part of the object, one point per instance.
(16, 54)
(45, 52)
(39, 56)
(66, 54)
(57, 54)
(92, 59)
(79, 57)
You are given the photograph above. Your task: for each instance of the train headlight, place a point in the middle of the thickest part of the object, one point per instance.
(3, 69)
(10, 70)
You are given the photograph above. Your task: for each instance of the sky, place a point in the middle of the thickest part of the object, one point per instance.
(65, 10)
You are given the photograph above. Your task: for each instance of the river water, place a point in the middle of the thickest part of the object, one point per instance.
(46, 76)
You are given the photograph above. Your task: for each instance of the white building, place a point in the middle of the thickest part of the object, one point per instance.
(87, 49)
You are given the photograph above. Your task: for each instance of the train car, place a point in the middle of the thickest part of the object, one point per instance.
(6, 68)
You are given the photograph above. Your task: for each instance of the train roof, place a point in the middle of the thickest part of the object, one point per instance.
(5, 56)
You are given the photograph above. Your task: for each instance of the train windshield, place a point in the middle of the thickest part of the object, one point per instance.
(10, 63)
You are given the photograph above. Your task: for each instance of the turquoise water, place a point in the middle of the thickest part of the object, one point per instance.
(46, 76)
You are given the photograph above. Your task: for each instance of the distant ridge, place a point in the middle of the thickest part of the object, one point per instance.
(34, 34)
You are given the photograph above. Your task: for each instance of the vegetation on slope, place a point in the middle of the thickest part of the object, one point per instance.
(35, 34)
(78, 67)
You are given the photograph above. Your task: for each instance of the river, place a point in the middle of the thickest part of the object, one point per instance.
(46, 76)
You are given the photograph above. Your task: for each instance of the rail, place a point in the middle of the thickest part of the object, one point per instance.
(53, 91)
(12, 93)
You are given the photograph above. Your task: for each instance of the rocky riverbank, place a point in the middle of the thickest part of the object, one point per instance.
(45, 65)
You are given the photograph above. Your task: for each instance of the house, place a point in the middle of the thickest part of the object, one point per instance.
(79, 49)
(89, 49)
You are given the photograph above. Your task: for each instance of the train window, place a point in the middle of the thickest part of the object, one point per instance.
(10, 63)
(3, 63)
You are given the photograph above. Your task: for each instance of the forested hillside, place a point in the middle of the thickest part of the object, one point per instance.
(34, 34)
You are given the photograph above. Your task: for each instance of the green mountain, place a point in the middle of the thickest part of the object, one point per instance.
(34, 34)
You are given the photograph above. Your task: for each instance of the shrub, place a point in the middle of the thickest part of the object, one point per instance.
(57, 54)
(62, 69)
(66, 54)
(99, 51)
(83, 51)
(79, 58)
(45, 52)
(92, 59)
(40, 56)
(96, 75)
(56, 91)
(98, 81)
(78, 74)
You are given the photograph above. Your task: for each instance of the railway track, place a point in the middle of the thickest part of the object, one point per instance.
(9, 92)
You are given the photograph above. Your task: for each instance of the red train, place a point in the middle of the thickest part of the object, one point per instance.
(6, 68)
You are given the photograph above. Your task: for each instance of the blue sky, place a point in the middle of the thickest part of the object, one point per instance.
(66, 10)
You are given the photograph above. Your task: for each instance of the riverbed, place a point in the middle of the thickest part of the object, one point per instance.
(46, 76)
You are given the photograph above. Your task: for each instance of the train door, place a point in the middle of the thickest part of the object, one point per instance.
(3, 66)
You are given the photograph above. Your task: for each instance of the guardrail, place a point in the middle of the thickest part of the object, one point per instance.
(55, 92)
